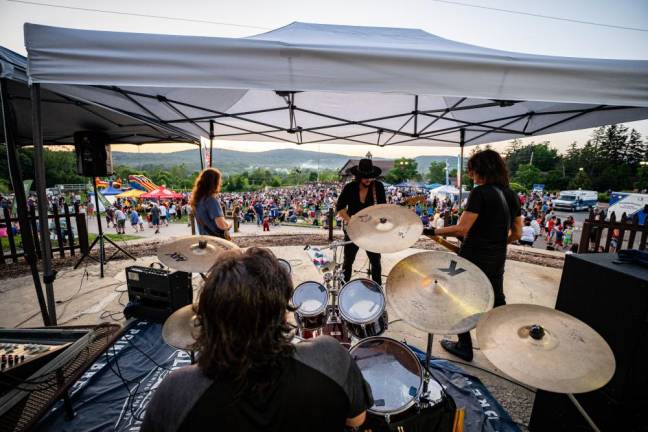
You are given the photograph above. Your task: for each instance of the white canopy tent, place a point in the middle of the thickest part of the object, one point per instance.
(308, 83)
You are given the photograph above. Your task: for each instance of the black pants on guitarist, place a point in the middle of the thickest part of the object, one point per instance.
(350, 252)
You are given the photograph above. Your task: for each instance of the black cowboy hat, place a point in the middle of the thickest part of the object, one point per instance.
(365, 169)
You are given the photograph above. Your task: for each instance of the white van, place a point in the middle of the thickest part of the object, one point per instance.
(574, 200)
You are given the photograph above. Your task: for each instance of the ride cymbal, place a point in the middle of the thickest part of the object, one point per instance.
(193, 254)
(545, 348)
(439, 292)
(385, 228)
(180, 329)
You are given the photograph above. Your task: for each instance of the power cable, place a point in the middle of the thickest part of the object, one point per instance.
(515, 12)
(140, 15)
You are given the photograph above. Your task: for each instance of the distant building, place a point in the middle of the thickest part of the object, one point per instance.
(384, 165)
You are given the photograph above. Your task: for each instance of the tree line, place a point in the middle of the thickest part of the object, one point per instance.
(614, 158)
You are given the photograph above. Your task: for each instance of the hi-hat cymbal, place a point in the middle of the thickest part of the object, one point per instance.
(180, 329)
(385, 228)
(193, 253)
(439, 292)
(545, 348)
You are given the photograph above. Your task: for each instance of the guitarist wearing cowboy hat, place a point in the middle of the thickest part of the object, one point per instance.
(362, 192)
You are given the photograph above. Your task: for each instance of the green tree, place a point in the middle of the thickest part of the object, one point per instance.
(580, 181)
(642, 178)
(528, 175)
(554, 180)
(404, 169)
(436, 172)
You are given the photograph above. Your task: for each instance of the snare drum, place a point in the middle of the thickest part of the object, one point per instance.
(310, 298)
(362, 307)
(394, 374)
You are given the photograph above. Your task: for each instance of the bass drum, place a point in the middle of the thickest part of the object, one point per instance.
(362, 307)
(310, 298)
(394, 374)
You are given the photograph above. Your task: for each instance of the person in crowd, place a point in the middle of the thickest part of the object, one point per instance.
(535, 224)
(359, 194)
(140, 222)
(134, 218)
(110, 217)
(172, 211)
(528, 233)
(490, 221)
(155, 217)
(206, 205)
(266, 223)
(163, 215)
(614, 240)
(120, 216)
(258, 209)
(249, 376)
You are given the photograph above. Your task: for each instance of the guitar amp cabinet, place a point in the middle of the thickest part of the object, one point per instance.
(155, 293)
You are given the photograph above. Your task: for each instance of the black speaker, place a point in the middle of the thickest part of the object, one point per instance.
(155, 294)
(93, 154)
(611, 298)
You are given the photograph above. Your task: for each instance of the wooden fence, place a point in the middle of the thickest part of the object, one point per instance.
(62, 233)
(599, 234)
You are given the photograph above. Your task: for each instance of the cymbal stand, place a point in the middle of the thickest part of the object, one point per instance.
(428, 357)
(581, 410)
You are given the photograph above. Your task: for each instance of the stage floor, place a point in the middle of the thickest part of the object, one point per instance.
(84, 298)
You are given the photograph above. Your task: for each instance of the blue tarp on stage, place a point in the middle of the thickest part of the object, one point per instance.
(101, 399)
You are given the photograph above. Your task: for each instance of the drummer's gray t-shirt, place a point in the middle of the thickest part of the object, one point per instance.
(317, 389)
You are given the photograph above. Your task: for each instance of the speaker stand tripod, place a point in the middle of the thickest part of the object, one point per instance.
(101, 238)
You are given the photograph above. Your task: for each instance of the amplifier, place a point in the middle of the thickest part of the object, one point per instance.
(155, 293)
(611, 298)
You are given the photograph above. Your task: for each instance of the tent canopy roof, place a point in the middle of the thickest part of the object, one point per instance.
(64, 115)
(307, 83)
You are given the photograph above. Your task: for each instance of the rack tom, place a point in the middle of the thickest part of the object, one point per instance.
(362, 307)
(310, 298)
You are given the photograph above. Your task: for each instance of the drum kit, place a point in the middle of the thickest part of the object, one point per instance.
(436, 292)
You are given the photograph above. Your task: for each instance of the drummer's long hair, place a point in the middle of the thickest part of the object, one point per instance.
(244, 333)
(490, 167)
(207, 184)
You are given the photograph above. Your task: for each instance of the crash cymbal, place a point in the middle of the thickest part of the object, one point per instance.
(385, 228)
(180, 329)
(545, 348)
(193, 253)
(439, 292)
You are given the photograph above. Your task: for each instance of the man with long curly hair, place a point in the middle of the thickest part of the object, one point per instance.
(249, 376)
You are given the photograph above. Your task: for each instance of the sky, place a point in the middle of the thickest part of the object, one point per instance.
(575, 28)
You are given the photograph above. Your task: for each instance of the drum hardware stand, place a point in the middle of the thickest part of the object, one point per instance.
(582, 411)
(428, 357)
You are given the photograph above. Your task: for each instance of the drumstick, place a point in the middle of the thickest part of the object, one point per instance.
(445, 243)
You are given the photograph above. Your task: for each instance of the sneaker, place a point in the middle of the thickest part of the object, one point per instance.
(455, 349)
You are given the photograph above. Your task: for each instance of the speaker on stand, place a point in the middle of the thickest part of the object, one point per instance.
(94, 159)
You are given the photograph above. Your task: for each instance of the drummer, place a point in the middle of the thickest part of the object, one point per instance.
(359, 194)
(206, 205)
(490, 221)
(249, 376)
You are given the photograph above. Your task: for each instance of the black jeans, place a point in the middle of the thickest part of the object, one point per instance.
(350, 252)
(493, 267)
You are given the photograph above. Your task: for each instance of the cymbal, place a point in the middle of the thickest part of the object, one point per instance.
(568, 356)
(180, 329)
(188, 254)
(385, 228)
(439, 292)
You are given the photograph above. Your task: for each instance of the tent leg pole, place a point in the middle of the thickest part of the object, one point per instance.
(462, 142)
(16, 180)
(202, 164)
(211, 142)
(49, 275)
